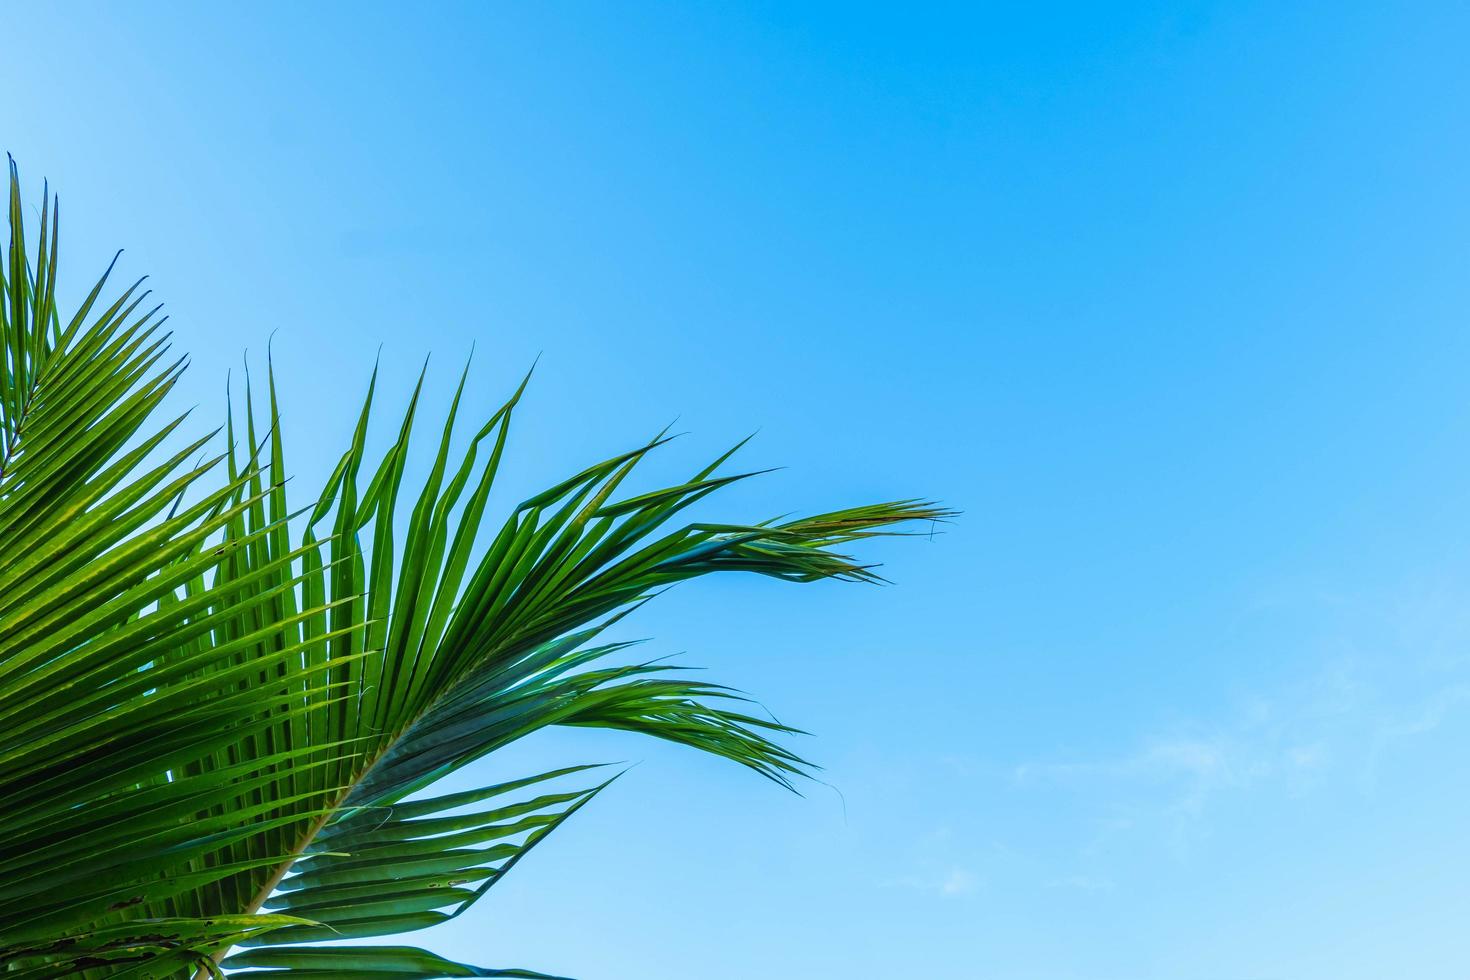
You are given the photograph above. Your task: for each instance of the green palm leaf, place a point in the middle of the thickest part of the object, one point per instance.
(219, 715)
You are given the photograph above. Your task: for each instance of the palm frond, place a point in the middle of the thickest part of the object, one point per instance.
(213, 704)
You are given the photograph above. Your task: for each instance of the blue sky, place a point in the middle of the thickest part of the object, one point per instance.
(1169, 299)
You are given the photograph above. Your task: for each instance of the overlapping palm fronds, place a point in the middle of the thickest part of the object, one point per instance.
(220, 718)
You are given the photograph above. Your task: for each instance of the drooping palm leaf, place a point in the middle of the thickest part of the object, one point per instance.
(214, 705)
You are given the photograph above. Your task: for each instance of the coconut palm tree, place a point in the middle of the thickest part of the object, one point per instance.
(223, 713)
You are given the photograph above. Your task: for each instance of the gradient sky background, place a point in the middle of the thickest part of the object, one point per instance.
(1170, 299)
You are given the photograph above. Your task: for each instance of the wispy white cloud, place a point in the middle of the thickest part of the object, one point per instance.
(1415, 721)
(958, 882)
(942, 864)
(1331, 729)
(952, 882)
